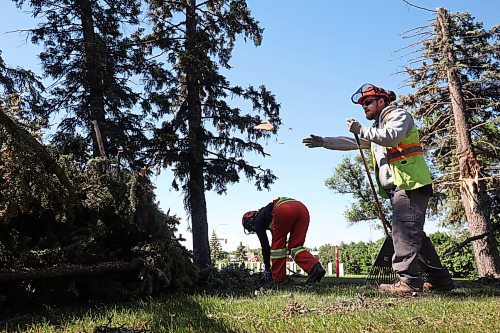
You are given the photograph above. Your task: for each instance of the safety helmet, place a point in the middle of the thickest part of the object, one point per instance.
(370, 90)
(248, 222)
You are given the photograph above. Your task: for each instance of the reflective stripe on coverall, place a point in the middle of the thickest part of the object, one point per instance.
(289, 217)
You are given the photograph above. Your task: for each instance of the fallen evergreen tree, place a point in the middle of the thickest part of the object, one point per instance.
(71, 230)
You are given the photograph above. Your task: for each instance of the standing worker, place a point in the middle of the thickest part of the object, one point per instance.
(403, 176)
(283, 216)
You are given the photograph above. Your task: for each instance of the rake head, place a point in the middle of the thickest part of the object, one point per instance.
(379, 275)
(381, 271)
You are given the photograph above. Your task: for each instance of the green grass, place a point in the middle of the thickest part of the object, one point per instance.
(337, 305)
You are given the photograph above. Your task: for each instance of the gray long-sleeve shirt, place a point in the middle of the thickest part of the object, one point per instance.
(392, 127)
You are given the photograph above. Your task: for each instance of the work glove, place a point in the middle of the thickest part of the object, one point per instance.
(266, 276)
(313, 141)
(353, 126)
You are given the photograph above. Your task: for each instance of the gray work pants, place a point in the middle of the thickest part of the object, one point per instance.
(412, 248)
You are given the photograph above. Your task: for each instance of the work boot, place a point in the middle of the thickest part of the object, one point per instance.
(431, 286)
(399, 287)
(316, 274)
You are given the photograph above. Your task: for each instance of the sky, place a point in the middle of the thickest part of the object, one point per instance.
(315, 54)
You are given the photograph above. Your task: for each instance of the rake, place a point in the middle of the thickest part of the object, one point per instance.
(381, 271)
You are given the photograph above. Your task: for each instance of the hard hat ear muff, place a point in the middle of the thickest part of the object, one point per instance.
(392, 96)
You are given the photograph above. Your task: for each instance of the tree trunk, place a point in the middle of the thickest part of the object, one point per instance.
(98, 136)
(472, 189)
(67, 270)
(100, 143)
(93, 76)
(196, 184)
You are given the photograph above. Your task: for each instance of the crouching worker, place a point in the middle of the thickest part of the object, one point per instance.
(283, 216)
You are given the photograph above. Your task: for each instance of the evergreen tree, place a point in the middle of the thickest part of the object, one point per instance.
(215, 248)
(203, 138)
(21, 89)
(91, 63)
(456, 76)
(241, 253)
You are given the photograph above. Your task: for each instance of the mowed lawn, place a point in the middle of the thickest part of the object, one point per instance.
(337, 305)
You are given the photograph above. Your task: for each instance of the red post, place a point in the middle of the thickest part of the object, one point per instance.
(337, 262)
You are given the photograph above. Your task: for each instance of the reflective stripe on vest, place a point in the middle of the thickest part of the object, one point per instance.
(278, 253)
(403, 151)
(282, 200)
(296, 250)
(408, 168)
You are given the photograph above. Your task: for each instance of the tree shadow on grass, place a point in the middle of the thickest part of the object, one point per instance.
(182, 313)
(176, 313)
(475, 288)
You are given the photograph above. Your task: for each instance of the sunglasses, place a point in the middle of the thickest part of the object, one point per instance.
(367, 102)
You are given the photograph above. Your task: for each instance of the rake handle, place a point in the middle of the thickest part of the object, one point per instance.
(377, 202)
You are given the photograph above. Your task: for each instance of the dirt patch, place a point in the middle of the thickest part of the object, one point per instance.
(342, 306)
(121, 329)
(295, 308)
(358, 303)
(108, 328)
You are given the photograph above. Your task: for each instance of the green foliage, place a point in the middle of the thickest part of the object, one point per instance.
(350, 178)
(476, 53)
(457, 101)
(88, 52)
(232, 279)
(94, 51)
(225, 133)
(215, 248)
(326, 254)
(166, 266)
(202, 137)
(241, 253)
(25, 187)
(358, 257)
(461, 264)
(13, 82)
(119, 221)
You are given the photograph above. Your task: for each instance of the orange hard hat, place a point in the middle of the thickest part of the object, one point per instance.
(370, 90)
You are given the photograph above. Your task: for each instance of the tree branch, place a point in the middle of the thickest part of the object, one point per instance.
(51, 167)
(459, 246)
(417, 28)
(429, 10)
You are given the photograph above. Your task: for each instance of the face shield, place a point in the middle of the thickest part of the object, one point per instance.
(369, 90)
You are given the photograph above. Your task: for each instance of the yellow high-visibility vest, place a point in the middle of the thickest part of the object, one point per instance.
(407, 163)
